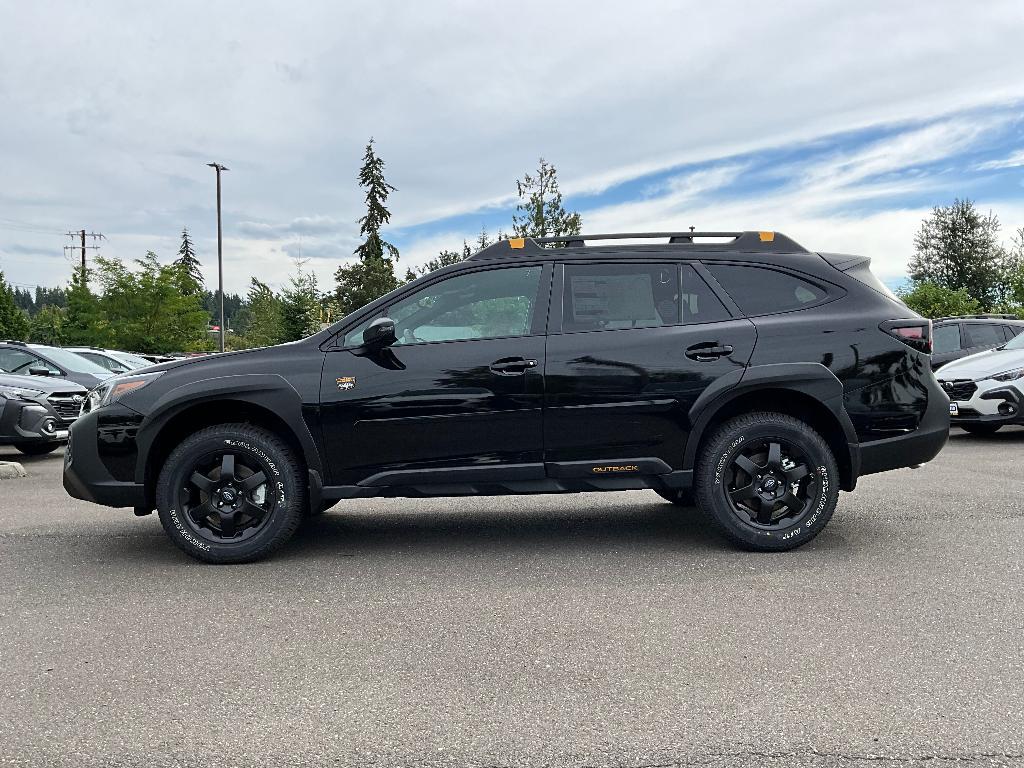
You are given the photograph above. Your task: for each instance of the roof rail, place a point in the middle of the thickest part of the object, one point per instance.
(14, 341)
(752, 241)
(988, 316)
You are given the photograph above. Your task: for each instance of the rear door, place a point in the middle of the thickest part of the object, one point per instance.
(982, 336)
(631, 346)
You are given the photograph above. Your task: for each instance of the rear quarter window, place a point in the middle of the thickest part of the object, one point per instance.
(763, 291)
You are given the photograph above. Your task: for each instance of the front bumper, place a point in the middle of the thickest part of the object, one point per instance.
(993, 402)
(26, 421)
(86, 477)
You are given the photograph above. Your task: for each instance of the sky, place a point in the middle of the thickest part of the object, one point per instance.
(840, 124)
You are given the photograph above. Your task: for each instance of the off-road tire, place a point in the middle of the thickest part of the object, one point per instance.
(678, 496)
(37, 449)
(258, 446)
(713, 470)
(981, 430)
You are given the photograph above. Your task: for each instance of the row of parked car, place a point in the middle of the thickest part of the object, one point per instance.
(42, 389)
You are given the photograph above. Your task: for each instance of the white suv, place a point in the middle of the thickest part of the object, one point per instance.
(986, 390)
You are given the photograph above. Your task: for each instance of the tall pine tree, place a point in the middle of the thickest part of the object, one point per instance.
(191, 280)
(374, 274)
(13, 321)
(540, 212)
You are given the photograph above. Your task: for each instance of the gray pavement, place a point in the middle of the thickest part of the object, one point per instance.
(584, 630)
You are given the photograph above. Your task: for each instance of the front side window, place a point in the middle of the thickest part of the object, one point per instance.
(605, 297)
(762, 291)
(946, 338)
(19, 361)
(479, 305)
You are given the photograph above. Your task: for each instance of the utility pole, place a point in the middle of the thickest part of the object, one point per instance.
(81, 235)
(220, 253)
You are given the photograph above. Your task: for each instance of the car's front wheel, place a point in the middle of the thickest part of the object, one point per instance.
(231, 493)
(768, 481)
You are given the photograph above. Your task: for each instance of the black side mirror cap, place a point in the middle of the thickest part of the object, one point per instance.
(379, 334)
(38, 371)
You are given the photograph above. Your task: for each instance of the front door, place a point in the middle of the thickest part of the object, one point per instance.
(637, 344)
(458, 398)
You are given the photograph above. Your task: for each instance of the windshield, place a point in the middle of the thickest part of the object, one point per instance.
(1017, 342)
(132, 361)
(73, 362)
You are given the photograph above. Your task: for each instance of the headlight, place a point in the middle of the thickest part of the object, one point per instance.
(111, 390)
(1016, 373)
(19, 393)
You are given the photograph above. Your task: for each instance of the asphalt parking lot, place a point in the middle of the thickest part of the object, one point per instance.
(585, 630)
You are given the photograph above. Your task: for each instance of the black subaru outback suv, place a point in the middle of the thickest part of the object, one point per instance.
(738, 370)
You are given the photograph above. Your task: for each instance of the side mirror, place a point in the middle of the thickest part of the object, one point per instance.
(38, 371)
(380, 333)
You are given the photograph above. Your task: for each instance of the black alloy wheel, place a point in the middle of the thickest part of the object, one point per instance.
(227, 497)
(770, 484)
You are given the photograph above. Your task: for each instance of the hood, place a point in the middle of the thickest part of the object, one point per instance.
(240, 355)
(982, 365)
(47, 384)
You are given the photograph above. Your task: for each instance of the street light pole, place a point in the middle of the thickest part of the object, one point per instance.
(220, 252)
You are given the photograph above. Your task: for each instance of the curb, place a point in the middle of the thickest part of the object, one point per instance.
(10, 470)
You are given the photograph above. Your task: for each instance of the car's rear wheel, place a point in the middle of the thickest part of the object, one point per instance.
(37, 449)
(768, 481)
(981, 429)
(231, 493)
(678, 496)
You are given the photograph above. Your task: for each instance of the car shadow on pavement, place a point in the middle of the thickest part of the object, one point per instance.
(648, 525)
(1006, 436)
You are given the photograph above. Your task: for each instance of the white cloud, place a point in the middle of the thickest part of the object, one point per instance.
(1014, 160)
(115, 138)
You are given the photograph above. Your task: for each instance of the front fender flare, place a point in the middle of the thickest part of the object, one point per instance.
(265, 390)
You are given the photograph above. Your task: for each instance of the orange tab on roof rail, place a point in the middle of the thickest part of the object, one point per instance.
(517, 242)
(766, 237)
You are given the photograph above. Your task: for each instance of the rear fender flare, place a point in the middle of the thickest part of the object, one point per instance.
(811, 379)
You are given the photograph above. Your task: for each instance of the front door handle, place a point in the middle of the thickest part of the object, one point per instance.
(708, 351)
(512, 366)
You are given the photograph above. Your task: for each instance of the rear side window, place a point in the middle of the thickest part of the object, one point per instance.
(946, 338)
(762, 291)
(700, 305)
(605, 297)
(985, 334)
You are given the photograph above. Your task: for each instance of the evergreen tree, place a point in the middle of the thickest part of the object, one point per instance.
(13, 320)
(82, 320)
(191, 280)
(540, 212)
(301, 311)
(958, 248)
(259, 320)
(374, 274)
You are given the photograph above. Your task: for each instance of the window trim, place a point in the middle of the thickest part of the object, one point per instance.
(832, 293)
(540, 314)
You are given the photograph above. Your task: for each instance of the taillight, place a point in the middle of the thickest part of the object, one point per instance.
(916, 333)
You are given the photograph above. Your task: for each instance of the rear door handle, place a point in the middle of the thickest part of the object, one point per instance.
(708, 351)
(512, 366)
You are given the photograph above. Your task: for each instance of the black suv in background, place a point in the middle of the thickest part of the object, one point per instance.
(35, 413)
(738, 368)
(956, 337)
